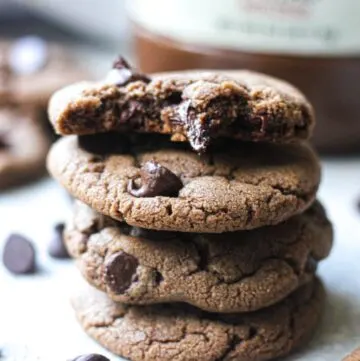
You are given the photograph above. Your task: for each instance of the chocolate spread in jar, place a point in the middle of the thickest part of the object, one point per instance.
(311, 43)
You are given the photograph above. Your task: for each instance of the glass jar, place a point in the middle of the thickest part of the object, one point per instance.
(314, 44)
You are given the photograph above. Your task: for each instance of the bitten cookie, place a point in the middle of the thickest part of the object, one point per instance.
(228, 272)
(183, 333)
(23, 146)
(193, 106)
(241, 186)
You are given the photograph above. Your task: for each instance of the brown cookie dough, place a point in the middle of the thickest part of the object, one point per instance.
(23, 146)
(177, 332)
(32, 69)
(353, 356)
(193, 106)
(242, 186)
(228, 272)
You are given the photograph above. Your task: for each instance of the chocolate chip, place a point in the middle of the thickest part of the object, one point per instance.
(156, 180)
(105, 143)
(131, 114)
(158, 277)
(91, 357)
(19, 255)
(57, 247)
(121, 63)
(174, 98)
(120, 271)
(196, 127)
(123, 74)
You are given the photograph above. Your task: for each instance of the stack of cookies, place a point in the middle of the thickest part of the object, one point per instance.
(196, 218)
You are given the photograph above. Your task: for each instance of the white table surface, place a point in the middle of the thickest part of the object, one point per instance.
(37, 322)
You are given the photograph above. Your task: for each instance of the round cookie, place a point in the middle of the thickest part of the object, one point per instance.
(242, 186)
(183, 333)
(353, 356)
(32, 69)
(228, 272)
(193, 106)
(23, 146)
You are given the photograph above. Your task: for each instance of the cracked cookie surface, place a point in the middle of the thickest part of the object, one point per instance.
(241, 186)
(192, 106)
(228, 272)
(23, 146)
(177, 332)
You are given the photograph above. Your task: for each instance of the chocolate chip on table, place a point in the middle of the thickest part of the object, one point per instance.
(57, 247)
(91, 357)
(120, 271)
(123, 74)
(19, 255)
(156, 180)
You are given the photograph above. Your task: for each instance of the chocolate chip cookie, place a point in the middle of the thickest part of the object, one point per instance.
(192, 106)
(31, 69)
(228, 272)
(180, 332)
(23, 146)
(353, 356)
(241, 186)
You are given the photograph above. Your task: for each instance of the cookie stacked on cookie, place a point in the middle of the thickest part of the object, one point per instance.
(196, 217)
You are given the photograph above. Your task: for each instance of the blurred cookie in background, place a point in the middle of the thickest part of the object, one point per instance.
(31, 69)
(23, 145)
